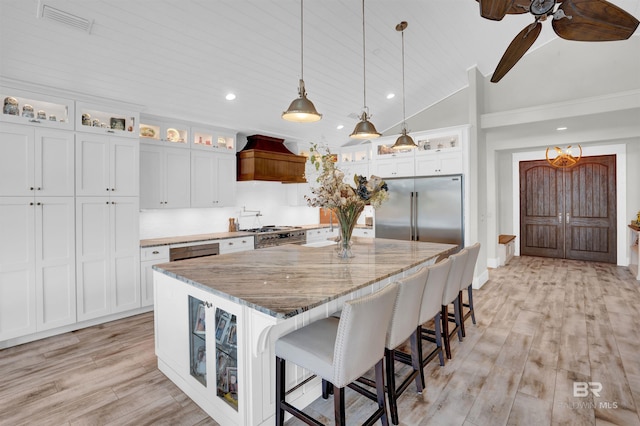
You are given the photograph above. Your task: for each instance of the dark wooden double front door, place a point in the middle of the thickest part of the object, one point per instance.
(569, 213)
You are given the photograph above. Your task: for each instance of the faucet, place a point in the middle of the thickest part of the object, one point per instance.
(257, 212)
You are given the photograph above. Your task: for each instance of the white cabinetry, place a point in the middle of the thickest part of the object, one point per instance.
(106, 165)
(321, 234)
(106, 120)
(164, 177)
(364, 232)
(47, 111)
(439, 152)
(36, 161)
(199, 343)
(37, 259)
(213, 178)
(397, 166)
(234, 245)
(107, 241)
(150, 256)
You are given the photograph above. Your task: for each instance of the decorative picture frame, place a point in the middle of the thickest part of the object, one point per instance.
(199, 327)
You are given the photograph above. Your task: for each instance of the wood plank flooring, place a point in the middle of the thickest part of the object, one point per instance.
(543, 324)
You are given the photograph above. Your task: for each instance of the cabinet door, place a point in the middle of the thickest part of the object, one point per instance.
(54, 162)
(177, 178)
(17, 266)
(427, 165)
(124, 167)
(226, 180)
(204, 189)
(451, 162)
(151, 177)
(92, 165)
(125, 254)
(16, 160)
(92, 247)
(55, 262)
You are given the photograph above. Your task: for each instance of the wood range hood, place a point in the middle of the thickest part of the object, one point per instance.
(266, 158)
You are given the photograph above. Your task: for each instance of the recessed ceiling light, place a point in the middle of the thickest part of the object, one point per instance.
(561, 128)
(391, 95)
(340, 126)
(230, 96)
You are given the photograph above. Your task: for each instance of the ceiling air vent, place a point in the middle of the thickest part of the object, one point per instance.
(51, 13)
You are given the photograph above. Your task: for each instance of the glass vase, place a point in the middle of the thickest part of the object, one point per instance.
(347, 218)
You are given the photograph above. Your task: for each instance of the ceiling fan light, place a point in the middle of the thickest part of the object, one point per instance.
(301, 109)
(365, 129)
(404, 141)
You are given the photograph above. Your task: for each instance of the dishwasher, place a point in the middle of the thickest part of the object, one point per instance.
(191, 252)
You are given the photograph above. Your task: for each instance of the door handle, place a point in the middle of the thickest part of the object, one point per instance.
(559, 217)
(568, 217)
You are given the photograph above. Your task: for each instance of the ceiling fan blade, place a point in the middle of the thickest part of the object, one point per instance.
(518, 7)
(516, 50)
(494, 9)
(594, 20)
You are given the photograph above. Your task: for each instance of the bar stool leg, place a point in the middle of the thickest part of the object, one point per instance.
(459, 306)
(338, 407)
(439, 338)
(280, 390)
(389, 357)
(457, 316)
(473, 312)
(416, 358)
(380, 393)
(444, 317)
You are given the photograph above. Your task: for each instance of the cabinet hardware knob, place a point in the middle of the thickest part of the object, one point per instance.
(39, 189)
(113, 202)
(38, 204)
(113, 189)
(30, 204)
(110, 131)
(155, 252)
(31, 188)
(230, 244)
(34, 121)
(208, 304)
(107, 189)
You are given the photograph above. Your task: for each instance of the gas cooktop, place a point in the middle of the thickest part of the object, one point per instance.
(271, 228)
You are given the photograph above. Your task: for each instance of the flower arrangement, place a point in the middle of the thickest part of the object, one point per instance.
(346, 201)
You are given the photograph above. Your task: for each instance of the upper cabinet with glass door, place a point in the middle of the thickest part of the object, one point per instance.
(109, 120)
(24, 107)
(214, 140)
(164, 131)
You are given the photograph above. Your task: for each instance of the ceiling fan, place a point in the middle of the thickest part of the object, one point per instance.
(581, 20)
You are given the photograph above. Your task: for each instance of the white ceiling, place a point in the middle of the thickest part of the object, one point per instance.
(179, 58)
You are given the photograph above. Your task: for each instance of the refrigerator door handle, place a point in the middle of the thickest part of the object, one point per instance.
(411, 218)
(416, 235)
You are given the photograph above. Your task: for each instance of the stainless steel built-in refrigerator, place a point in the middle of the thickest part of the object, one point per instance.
(423, 209)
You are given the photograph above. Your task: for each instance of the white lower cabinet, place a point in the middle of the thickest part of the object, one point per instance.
(37, 264)
(108, 255)
(234, 245)
(199, 343)
(150, 256)
(321, 234)
(364, 232)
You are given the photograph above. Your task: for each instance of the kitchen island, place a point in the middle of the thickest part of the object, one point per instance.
(217, 318)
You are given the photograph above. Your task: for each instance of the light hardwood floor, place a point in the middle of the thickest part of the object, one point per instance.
(543, 324)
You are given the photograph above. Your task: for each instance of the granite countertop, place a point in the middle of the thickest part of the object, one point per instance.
(286, 280)
(166, 241)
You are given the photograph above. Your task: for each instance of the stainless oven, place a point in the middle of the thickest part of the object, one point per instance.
(271, 236)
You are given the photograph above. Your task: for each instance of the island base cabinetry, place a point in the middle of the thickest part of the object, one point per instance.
(195, 335)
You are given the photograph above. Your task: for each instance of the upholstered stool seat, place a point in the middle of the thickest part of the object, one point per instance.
(339, 351)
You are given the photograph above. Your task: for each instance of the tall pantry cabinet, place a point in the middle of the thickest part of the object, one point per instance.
(37, 243)
(68, 253)
(107, 216)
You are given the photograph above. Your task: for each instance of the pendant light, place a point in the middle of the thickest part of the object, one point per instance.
(301, 109)
(364, 129)
(404, 141)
